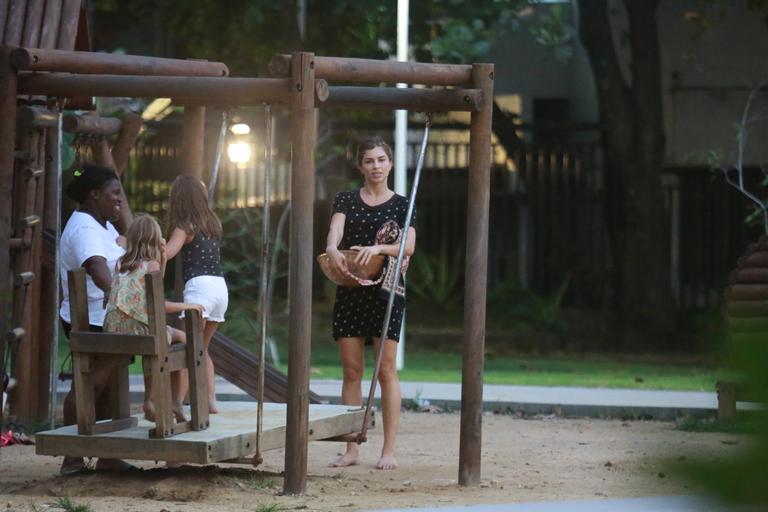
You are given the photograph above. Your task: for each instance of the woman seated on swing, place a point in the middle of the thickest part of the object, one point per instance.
(370, 221)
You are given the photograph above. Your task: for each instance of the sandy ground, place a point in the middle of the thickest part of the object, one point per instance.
(536, 459)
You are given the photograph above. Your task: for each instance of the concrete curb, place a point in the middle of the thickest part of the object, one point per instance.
(520, 400)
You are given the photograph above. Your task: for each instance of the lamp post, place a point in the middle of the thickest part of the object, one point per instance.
(401, 140)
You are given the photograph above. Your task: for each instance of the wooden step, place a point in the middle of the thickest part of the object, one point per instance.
(33, 172)
(19, 243)
(739, 292)
(16, 334)
(749, 276)
(24, 278)
(755, 259)
(29, 221)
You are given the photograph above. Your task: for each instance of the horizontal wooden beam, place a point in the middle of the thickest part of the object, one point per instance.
(107, 426)
(39, 59)
(738, 292)
(340, 69)
(754, 259)
(36, 117)
(321, 94)
(749, 275)
(226, 91)
(390, 98)
(103, 343)
(91, 125)
(747, 308)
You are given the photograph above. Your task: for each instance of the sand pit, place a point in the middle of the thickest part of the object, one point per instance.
(536, 459)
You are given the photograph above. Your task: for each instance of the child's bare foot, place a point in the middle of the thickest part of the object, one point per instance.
(149, 410)
(350, 458)
(212, 409)
(386, 462)
(178, 413)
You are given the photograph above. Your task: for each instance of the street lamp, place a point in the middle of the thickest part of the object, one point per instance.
(239, 150)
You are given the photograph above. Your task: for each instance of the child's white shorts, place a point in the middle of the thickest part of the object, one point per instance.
(211, 292)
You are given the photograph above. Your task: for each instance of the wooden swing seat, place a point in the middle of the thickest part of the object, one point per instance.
(92, 350)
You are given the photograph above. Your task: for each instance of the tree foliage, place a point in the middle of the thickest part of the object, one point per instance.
(246, 33)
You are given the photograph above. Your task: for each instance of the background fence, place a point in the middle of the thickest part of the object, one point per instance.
(546, 213)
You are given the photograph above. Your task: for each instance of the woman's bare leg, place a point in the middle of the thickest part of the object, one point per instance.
(390, 402)
(208, 331)
(351, 351)
(149, 406)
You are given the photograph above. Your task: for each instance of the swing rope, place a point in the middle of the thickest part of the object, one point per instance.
(257, 458)
(362, 437)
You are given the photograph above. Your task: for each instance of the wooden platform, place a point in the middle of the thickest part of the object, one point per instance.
(232, 435)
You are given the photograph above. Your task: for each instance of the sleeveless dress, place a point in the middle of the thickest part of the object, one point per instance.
(127, 306)
(359, 312)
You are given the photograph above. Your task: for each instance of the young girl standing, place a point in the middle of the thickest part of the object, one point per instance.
(126, 311)
(196, 232)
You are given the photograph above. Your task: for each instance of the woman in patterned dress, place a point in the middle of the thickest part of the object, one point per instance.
(358, 313)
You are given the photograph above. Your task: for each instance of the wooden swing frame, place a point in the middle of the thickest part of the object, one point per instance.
(302, 85)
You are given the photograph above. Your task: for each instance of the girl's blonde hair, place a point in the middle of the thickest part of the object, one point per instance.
(144, 239)
(189, 208)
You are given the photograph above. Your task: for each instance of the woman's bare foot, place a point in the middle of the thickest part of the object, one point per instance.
(351, 458)
(149, 410)
(178, 413)
(212, 409)
(386, 462)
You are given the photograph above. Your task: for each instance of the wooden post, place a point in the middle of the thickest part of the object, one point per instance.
(726, 401)
(192, 144)
(300, 270)
(161, 375)
(192, 141)
(82, 364)
(49, 297)
(478, 200)
(8, 82)
(198, 384)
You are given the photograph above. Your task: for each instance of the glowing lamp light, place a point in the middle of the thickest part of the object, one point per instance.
(239, 152)
(240, 129)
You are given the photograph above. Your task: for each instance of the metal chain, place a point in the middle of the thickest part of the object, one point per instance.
(361, 438)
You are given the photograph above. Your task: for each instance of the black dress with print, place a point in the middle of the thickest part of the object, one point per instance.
(359, 311)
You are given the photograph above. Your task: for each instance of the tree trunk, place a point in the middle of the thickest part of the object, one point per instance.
(634, 144)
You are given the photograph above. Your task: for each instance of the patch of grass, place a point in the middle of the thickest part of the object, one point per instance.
(433, 354)
(273, 507)
(594, 371)
(260, 483)
(743, 424)
(68, 506)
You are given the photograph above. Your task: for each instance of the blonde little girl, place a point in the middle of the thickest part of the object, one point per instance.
(126, 311)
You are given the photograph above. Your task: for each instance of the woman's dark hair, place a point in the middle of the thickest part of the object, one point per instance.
(369, 144)
(86, 178)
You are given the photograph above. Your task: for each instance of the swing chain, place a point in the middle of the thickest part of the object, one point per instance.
(362, 435)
